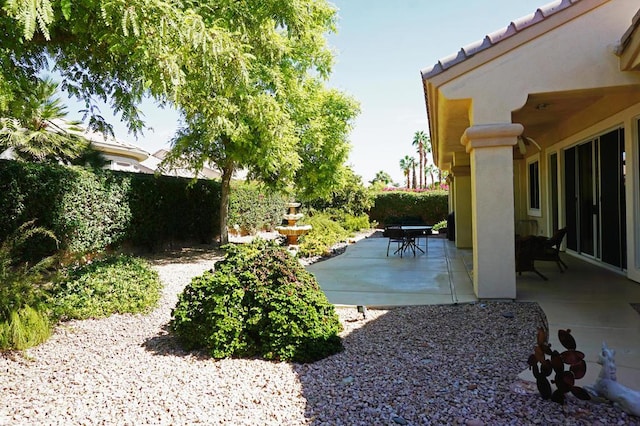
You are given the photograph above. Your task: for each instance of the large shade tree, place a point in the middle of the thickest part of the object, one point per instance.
(246, 76)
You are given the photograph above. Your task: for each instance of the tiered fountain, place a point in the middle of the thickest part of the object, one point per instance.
(293, 231)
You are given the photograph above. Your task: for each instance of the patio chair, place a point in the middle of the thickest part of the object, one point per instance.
(551, 249)
(526, 249)
(395, 235)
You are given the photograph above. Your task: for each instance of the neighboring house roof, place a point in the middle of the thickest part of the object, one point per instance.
(106, 144)
(496, 37)
(153, 164)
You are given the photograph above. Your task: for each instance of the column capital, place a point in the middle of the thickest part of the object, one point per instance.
(461, 171)
(491, 135)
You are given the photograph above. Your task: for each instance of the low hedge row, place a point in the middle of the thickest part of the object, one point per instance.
(91, 210)
(408, 207)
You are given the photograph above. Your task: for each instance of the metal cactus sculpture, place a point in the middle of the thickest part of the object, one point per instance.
(544, 367)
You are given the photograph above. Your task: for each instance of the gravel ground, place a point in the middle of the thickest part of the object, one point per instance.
(424, 365)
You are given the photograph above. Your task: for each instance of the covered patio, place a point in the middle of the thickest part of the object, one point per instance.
(594, 302)
(538, 123)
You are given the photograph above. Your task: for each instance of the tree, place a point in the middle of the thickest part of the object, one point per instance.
(427, 150)
(413, 164)
(419, 140)
(244, 75)
(32, 126)
(382, 177)
(279, 123)
(405, 165)
(116, 51)
(431, 170)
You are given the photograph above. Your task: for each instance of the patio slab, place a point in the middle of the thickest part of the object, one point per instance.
(365, 275)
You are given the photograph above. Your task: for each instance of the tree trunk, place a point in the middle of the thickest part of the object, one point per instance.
(227, 172)
(421, 155)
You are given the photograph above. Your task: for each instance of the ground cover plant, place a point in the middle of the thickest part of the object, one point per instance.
(114, 284)
(259, 302)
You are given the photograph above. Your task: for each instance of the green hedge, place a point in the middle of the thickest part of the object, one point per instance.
(410, 207)
(167, 209)
(91, 210)
(253, 208)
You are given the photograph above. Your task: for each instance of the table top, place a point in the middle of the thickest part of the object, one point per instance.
(416, 227)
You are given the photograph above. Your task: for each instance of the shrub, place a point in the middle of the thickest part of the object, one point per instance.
(398, 206)
(253, 209)
(24, 328)
(259, 302)
(23, 315)
(324, 234)
(355, 223)
(116, 284)
(349, 196)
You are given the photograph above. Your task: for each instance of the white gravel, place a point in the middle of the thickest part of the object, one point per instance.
(415, 365)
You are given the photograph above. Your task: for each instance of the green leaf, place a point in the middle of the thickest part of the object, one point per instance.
(65, 5)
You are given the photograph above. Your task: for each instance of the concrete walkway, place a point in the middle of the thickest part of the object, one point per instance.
(595, 303)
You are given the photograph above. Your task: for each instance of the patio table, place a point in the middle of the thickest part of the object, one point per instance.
(410, 238)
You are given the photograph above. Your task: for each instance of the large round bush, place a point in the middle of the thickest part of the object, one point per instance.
(259, 302)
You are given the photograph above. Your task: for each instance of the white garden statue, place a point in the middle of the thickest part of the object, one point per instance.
(606, 386)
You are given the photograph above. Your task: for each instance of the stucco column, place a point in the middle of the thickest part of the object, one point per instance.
(490, 147)
(462, 206)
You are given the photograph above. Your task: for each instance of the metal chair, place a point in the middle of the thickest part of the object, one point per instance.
(395, 235)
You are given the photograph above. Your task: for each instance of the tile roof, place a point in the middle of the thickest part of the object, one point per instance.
(635, 23)
(496, 37)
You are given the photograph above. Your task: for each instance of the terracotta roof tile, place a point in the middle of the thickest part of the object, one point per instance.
(496, 37)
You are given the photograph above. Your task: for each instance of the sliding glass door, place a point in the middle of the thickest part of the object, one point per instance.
(595, 198)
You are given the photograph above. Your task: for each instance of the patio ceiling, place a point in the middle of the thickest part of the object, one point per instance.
(546, 117)
(549, 117)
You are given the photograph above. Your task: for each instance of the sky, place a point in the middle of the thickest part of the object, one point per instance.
(380, 48)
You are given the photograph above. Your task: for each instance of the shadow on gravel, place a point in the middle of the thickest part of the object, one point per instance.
(441, 364)
(187, 254)
(166, 344)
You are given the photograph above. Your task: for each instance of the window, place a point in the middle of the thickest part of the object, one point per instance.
(533, 179)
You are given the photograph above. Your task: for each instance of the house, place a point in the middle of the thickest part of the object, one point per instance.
(120, 155)
(538, 125)
(153, 163)
(124, 156)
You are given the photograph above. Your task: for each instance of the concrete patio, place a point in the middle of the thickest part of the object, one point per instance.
(595, 303)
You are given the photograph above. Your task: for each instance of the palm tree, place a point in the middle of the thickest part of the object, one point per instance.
(382, 177)
(413, 165)
(405, 165)
(33, 129)
(419, 140)
(431, 170)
